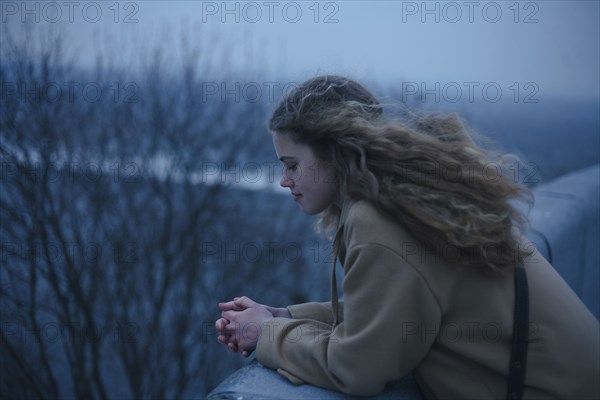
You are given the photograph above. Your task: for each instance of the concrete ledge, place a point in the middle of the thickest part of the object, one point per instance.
(566, 230)
(255, 382)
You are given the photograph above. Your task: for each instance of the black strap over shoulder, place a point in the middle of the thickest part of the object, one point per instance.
(518, 357)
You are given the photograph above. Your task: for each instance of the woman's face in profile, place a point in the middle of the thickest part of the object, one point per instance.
(310, 180)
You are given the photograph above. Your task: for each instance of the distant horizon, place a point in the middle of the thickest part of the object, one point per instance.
(438, 95)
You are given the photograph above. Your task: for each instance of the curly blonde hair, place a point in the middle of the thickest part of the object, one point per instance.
(425, 171)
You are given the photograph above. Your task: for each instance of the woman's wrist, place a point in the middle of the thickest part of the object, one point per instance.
(285, 313)
(280, 312)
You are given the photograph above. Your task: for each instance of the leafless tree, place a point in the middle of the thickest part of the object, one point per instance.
(119, 233)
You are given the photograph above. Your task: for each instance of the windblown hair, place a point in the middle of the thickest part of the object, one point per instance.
(426, 171)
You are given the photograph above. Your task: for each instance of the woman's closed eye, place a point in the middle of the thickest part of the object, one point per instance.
(291, 167)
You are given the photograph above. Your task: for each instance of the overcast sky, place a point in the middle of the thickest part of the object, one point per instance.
(552, 44)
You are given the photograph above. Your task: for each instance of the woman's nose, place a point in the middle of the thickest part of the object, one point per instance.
(285, 181)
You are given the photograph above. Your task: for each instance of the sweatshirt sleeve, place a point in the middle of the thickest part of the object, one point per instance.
(386, 302)
(321, 312)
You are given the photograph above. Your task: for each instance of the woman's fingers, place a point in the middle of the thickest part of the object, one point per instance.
(237, 313)
(245, 302)
(221, 324)
(230, 306)
(226, 306)
(229, 316)
(225, 326)
(226, 332)
(223, 339)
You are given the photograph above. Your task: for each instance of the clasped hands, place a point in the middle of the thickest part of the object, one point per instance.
(241, 323)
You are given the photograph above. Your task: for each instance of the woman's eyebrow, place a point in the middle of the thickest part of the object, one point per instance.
(286, 158)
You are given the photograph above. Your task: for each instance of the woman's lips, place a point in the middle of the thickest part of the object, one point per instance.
(296, 196)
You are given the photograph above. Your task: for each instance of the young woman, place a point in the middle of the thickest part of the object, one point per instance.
(431, 249)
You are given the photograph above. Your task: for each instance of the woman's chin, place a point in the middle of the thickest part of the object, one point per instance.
(306, 210)
(310, 210)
